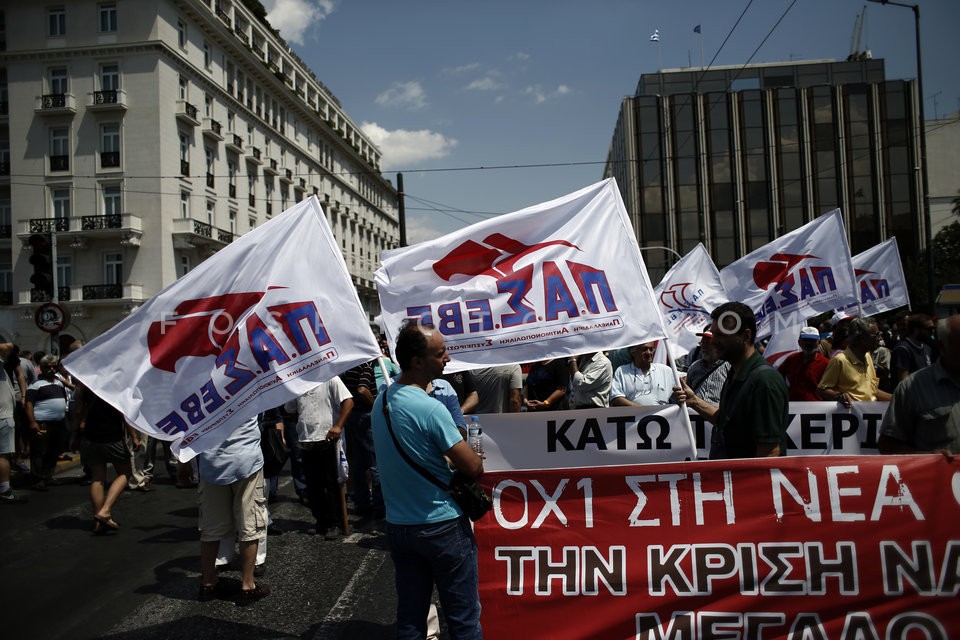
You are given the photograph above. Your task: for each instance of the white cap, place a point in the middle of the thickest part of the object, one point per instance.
(809, 333)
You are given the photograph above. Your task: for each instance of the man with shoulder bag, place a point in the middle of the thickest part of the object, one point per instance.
(431, 540)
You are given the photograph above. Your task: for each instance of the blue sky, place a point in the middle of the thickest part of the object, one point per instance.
(445, 87)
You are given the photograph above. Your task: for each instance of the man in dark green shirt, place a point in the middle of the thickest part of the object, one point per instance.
(751, 421)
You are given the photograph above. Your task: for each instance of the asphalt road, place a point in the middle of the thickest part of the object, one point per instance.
(58, 580)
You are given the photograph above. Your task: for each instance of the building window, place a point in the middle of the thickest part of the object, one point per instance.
(231, 121)
(208, 105)
(233, 222)
(207, 56)
(184, 155)
(182, 34)
(58, 81)
(232, 178)
(210, 212)
(109, 77)
(252, 223)
(113, 268)
(249, 135)
(56, 22)
(60, 198)
(64, 271)
(109, 145)
(108, 18)
(111, 200)
(209, 157)
(183, 88)
(184, 204)
(59, 149)
(184, 265)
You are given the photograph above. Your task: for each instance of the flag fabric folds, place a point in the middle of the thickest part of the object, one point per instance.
(689, 291)
(262, 321)
(880, 280)
(655, 36)
(800, 274)
(558, 278)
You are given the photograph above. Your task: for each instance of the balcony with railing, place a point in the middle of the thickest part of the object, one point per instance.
(116, 229)
(109, 159)
(271, 166)
(132, 294)
(234, 143)
(193, 234)
(223, 15)
(212, 129)
(287, 176)
(187, 113)
(108, 99)
(301, 184)
(59, 163)
(56, 104)
(253, 155)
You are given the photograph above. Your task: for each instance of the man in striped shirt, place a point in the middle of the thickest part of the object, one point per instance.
(707, 375)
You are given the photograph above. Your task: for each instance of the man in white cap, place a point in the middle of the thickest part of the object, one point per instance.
(804, 370)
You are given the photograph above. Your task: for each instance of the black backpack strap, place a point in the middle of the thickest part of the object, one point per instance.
(403, 454)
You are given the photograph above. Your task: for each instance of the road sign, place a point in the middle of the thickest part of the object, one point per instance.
(51, 318)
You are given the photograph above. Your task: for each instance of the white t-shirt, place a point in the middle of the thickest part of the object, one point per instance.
(319, 408)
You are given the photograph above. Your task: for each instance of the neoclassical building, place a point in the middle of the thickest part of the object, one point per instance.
(147, 134)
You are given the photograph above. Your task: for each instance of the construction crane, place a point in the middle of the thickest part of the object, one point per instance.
(855, 38)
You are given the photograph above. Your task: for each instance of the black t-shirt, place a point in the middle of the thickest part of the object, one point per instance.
(104, 423)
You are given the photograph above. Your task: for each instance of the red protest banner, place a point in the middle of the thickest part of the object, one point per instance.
(812, 548)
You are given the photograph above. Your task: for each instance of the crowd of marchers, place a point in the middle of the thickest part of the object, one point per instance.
(357, 436)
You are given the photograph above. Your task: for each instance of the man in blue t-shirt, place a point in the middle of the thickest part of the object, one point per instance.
(431, 541)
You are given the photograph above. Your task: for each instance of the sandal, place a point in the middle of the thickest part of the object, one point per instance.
(249, 596)
(98, 529)
(107, 522)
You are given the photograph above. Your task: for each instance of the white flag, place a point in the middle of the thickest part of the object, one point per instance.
(800, 274)
(783, 343)
(558, 278)
(261, 322)
(689, 291)
(880, 278)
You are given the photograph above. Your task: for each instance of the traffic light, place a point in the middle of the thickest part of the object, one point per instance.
(42, 261)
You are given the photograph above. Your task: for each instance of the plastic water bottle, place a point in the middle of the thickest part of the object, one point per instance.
(475, 434)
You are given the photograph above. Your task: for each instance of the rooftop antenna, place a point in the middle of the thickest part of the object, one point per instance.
(856, 53)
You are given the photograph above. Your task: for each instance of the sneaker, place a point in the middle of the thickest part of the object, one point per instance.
(333, 533)
(260, 570)
(8, 497)
(250, 596)
(21, 466)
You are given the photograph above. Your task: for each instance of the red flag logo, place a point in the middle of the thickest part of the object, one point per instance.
(779, 266)
(496, 259)
(197, 328)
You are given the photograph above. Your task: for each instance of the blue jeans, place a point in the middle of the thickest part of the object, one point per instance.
(296, 459)
(441, 553)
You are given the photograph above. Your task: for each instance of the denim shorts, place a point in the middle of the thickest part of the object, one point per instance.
(7, 439)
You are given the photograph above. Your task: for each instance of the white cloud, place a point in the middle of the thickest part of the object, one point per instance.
(462, 69)
(292, 18)
(420, 229)
(402, 148)
(484, 84)
(520, 55)
(540, 95)
(408, 95)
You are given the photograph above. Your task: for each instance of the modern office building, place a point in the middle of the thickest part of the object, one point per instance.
(147, 135)
(736, 156)
(943, 160)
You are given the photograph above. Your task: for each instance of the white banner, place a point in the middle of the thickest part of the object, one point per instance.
(642, 435)
(880, 278)
(563, 277)
(262, 321)
(798, 275)
(689, 291)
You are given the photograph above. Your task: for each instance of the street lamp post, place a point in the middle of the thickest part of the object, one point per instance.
(663, 249)
(924, 185)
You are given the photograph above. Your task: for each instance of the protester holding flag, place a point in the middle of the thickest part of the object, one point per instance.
(924, 415)
(803, 370)
(431, 541)
(850, 374)
(232, 502)
(751, 420)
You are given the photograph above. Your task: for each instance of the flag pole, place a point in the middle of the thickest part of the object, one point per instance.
(676, 378)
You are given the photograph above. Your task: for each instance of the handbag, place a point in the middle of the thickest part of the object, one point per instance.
(466, 492)
(274, 453)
